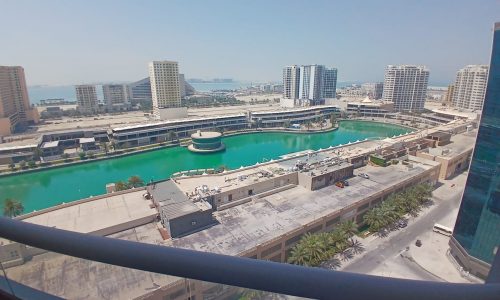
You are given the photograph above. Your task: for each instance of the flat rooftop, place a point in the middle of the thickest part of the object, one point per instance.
(74, 278)
(98, 214)
(459, 143)
(245, 226)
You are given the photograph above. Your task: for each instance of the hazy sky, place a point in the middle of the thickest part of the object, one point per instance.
(71, 42)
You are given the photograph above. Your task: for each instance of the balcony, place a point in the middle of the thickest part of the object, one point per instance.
(148, 271)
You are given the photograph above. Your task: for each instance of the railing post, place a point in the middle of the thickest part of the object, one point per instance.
(494, 275)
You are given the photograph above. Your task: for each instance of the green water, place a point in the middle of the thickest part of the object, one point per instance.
(47, 188)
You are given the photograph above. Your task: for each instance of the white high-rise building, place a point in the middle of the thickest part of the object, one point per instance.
(165, 90)
(291, 78)
(115, 96)
(406, 87)
(86, 98)
(470, 87)
(311, 85)
(308, 85)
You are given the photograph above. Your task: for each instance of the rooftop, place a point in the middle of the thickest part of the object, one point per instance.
(245, 226)
(95, 215)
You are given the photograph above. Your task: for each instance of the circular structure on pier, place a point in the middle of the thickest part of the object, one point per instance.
(206, 142)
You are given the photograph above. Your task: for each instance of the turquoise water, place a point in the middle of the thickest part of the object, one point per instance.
(47, 188)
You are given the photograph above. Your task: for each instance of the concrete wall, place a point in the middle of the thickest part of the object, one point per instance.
(469, 263)
(265, 184)
(172, 113)
(318, 181)
(184, 224)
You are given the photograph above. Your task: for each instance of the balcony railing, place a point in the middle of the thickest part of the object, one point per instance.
(242, 272)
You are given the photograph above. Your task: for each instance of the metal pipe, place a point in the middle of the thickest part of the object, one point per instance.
(238, 271)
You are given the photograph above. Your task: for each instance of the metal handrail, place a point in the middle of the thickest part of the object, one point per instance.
(238, 271)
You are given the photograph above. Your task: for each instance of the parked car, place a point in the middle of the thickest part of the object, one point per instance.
(346, 183)
(402, 223)
(418, 243)
(364, 175)
(339, 184)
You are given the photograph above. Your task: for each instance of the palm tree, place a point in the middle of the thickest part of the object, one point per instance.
(22, 164)
(12, 208)
(104, 146)
(356, 246)
(37, 153)
(135, 181)
(121, 186)
(12, 166)
(349, 228)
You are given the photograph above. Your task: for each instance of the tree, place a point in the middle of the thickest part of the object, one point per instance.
(286, 124)
(31, 164)
(135, 181)
(37, 153)
(121, 186)
(12, 208)
(12, 166)
(308, 125)
(91, 155)
(22, 164)
(82, 155)
(349, 228)
(333, 119)
(104, 146)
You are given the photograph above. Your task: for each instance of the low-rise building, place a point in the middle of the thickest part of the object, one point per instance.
(369, 108)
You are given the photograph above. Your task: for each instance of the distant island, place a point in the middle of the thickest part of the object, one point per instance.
(215, 80)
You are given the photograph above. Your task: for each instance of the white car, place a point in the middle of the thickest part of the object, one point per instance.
(364, 175)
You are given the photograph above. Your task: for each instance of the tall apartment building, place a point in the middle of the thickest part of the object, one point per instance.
(291, 79)
(309, 84)
(476, 237)
(448, 98)
(165, 90)
(374, 90)
(115, 96)
(15, 110)
(470, 87)
(406, 87)
(86, 98)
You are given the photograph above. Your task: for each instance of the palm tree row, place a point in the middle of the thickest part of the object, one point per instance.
(396, 206)
(314, 249)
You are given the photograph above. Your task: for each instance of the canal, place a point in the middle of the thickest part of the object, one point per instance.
(50, 187)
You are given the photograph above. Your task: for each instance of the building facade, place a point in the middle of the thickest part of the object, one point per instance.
(115, 96)
(374, 90)
(448, 99)
(470, 87)
(86, 98)
(15, 110)
(330, 83)
(476, 235)
(311, 84)
(140, 92)
(291, 79)
(165, 86)
(406, 87)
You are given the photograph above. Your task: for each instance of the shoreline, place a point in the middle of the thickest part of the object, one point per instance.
(179, 144)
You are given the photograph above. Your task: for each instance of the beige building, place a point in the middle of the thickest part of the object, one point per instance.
(448, 99)
(165, 89)
(15, 109)
(406, 87)
(470, 87)
(86, 98)
(115, 96)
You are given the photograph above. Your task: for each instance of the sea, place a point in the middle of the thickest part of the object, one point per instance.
(67, 92)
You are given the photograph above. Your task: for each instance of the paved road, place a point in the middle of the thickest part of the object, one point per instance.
(391, 246)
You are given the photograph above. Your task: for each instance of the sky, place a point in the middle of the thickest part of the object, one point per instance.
(95, 41)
